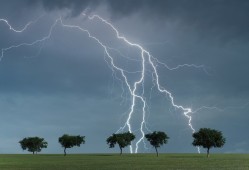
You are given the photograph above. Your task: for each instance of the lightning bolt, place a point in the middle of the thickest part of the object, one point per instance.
(221, 109)
(150, 58)
(133, 88)
(13, 29)
(3, 50)
(24, 28)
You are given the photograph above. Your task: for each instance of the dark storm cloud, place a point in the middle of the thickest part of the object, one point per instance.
(76, 6)
(225, 19)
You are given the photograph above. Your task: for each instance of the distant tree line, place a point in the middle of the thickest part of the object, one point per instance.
(35, 144)
(205, 137)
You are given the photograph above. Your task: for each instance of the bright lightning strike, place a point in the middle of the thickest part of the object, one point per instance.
(145, 54)
(133, 88)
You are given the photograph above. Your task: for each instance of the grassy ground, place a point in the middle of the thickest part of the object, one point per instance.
(126, 161)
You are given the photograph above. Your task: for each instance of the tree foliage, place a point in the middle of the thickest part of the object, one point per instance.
(122, 139)
(68, 141)
(33, 144)
(157, 139)
(208, 138)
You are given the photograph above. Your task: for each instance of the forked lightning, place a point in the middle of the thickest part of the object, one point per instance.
(133, 87)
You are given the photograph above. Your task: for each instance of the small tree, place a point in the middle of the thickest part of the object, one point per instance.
(208, 138)
(33, 144)
(156, 139)
(122, 139)
(68, 141)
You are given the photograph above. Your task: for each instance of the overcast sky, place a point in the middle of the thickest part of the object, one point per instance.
(65, 84)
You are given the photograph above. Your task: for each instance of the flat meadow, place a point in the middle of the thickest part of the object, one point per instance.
(126, 161)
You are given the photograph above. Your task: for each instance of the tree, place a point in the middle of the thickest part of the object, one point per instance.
(33, 144)
(122, 139)
(208, 138)
(68, 141)
(156, 139)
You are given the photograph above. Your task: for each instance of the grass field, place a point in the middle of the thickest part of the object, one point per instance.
(126, 161)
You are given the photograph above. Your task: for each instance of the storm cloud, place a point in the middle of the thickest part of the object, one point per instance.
(220, 18)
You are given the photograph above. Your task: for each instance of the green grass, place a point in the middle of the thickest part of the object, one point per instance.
(126, 161)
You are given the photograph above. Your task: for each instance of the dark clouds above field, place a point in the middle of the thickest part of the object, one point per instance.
(225, 18)
(64, 85)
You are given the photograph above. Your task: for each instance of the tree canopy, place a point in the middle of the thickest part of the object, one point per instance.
(122, 139)
(157, 139)
(208, 138)
(68, 141)
(33, 144)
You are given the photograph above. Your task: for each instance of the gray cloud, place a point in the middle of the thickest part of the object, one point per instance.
(225, 19)
(75, 6)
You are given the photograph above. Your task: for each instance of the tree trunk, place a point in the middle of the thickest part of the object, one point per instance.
(208, 152)
(156, 151)
(65, 152)
(33, 152)
(121, 151)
